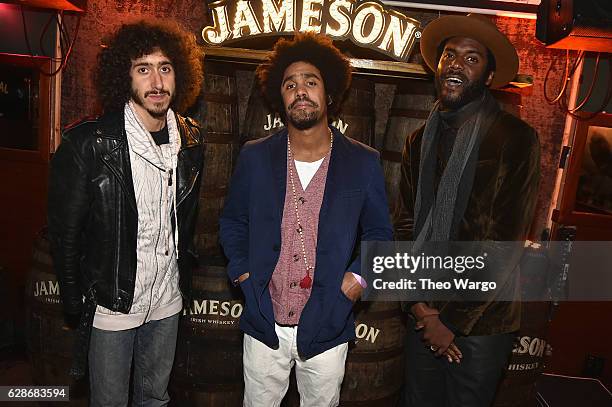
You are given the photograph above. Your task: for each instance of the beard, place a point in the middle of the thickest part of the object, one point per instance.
(471, 91)
(301, 119)
(157, 110)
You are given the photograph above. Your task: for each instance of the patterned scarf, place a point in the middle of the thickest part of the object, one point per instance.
(438, 213)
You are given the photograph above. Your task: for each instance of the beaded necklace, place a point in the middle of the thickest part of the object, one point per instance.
(305, 282)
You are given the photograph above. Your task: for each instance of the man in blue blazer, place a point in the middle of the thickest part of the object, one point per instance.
(300, 203)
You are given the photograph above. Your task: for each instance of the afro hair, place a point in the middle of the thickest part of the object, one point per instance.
(315, 49)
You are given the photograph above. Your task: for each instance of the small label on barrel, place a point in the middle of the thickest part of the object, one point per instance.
(369, 333)
(340, 125)
(201, 309)
(528, 345)
(523, 366)
(273, 122)
(47, 291)
(529, 350)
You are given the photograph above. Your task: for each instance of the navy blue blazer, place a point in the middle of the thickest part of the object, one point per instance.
(354, 208)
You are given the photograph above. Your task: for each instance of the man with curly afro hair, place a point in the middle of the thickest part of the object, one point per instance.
(300, 203)
(122, 207)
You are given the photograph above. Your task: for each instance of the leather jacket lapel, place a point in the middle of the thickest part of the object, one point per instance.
(115, 154)
(187, 167)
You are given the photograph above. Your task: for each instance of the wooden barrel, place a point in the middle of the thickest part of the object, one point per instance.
(356, 120)
(358, 116)
(208, 364)
(217, 112)
(374, 373)
(411, 105)
(260, 121)
(49, 341)
(518, 386)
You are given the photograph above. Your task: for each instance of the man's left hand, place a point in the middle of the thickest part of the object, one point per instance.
(351, 287)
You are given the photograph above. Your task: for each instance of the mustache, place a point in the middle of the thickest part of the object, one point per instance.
(300, 100)
(156, 92)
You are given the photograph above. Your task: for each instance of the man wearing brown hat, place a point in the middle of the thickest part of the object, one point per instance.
(469, 174)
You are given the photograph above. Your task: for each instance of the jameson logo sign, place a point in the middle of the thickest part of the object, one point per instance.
(368, 24)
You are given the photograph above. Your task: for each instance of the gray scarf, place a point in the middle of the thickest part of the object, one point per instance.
(437, 214)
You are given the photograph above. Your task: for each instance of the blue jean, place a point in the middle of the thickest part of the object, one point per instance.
(151, 346)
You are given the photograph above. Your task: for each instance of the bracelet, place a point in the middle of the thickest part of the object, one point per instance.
(419, 311)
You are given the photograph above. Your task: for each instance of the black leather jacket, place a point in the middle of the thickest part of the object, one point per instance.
(93, 219)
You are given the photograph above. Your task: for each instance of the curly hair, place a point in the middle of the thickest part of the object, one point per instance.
(134, 40)
(315, 49)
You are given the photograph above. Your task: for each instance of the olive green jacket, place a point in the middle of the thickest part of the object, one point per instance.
(500, 208)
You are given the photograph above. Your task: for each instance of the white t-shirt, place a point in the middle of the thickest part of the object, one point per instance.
(307, 170)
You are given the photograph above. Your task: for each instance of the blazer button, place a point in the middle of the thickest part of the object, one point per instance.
(276, 248)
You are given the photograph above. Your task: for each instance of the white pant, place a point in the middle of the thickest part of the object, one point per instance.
(266, 372)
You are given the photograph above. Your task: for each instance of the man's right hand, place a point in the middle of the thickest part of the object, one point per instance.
(421, 311)
(436, 335)
(453, 354)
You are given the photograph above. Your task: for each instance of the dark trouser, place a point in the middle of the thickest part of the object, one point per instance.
(434, 382)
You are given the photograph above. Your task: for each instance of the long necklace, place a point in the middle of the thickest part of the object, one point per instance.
(305, 282)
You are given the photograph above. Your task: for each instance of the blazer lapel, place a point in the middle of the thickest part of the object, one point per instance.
(278, 160)
(338, 169)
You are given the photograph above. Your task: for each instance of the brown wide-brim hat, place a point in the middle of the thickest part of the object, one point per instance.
(476, 27)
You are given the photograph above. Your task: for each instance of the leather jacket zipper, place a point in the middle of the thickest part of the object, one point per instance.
(116, 276)
(188, 191)
(179, 200)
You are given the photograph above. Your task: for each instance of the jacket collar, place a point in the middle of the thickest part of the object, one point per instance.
(112, 125)
(188, 131)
